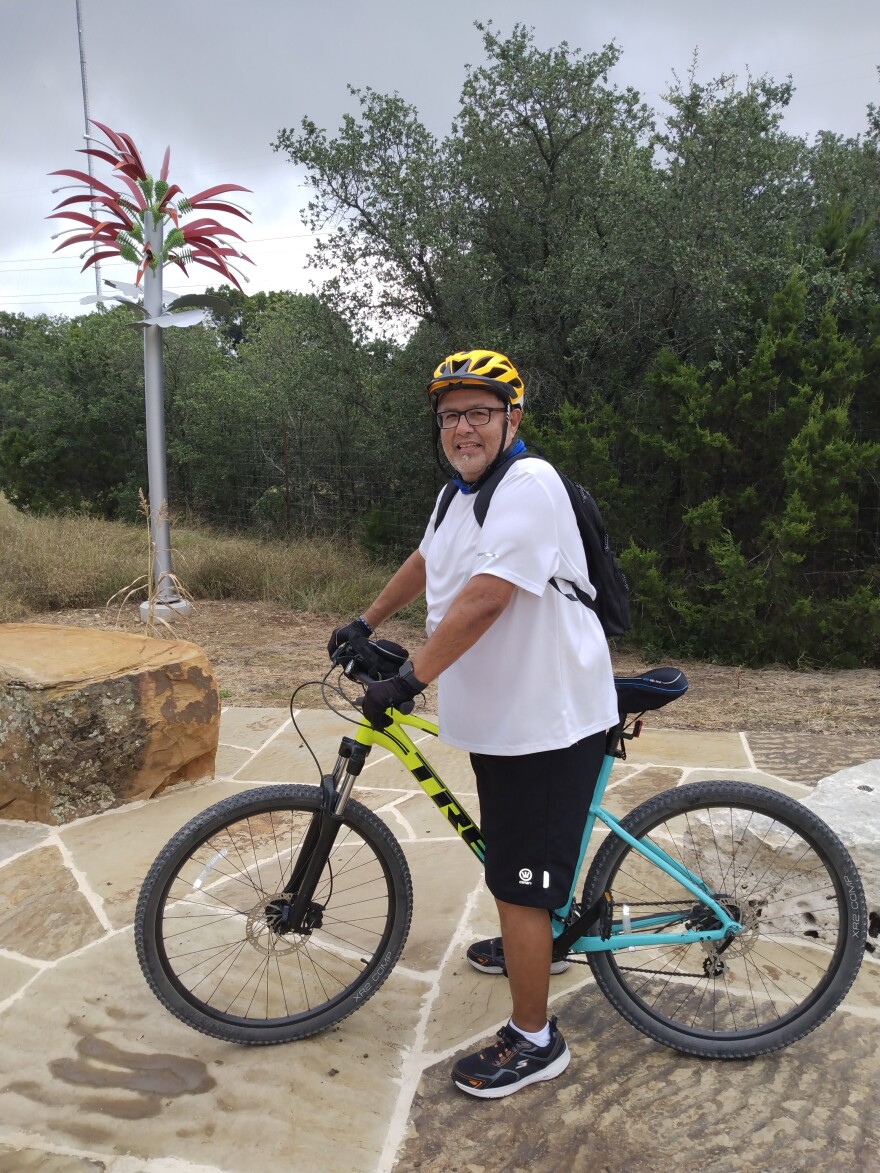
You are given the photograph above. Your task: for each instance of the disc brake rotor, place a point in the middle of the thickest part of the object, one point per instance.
(718, 952)
(265, 929)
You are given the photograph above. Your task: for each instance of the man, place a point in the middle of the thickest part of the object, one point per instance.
(524, 683)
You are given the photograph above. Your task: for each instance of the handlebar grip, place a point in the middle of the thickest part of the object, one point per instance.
(406, 707)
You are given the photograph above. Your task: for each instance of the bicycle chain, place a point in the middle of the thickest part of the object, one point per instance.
(653, 904)
(643, 968)
(660, 972)
(637, 969)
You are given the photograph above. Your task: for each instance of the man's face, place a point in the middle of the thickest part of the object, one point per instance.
(470, 450)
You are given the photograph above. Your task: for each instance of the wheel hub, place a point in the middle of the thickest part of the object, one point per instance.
(268, 925)
(719, 953)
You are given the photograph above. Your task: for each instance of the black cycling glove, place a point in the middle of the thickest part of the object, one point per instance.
(341, 635)
(385, 694)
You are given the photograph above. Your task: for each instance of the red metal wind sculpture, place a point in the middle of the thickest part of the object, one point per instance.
(131, 223)
(124, 231)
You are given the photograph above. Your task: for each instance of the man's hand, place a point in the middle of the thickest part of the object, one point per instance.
(341, 635)
(386, 694)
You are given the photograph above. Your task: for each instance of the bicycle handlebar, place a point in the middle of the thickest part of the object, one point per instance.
(369, 661)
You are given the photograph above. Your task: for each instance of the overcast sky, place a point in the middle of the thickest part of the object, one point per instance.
(217, 80)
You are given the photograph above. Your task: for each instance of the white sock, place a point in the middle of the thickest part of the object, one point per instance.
(540, 1038)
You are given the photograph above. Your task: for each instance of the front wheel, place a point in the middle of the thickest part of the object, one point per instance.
(778, 870)
(210, 927)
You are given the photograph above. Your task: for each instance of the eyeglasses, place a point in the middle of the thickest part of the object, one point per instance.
(477, 417)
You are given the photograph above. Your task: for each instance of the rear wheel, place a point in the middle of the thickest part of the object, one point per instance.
(210, 926)
(781, 872)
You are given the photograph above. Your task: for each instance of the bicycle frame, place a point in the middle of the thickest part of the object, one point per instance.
(275, 913)
(629, 933)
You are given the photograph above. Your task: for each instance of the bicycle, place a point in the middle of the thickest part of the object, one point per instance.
(722, 919)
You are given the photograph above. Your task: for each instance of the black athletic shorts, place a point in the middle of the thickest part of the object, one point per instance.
(533, 809)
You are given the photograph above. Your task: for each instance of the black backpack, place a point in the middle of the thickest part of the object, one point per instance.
(611, 603)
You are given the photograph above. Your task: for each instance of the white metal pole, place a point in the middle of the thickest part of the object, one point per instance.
(168, 601)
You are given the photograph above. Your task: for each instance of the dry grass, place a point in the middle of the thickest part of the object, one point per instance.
(53, 563)
(65, 561)
(274, 604)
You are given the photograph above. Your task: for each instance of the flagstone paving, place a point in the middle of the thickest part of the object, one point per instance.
(97, 1076)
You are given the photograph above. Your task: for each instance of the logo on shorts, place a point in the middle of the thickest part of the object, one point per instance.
(525, 875)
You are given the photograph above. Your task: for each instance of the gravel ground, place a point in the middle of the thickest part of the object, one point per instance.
(261, 652)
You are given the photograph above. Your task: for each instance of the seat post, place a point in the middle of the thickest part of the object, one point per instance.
(614, 741)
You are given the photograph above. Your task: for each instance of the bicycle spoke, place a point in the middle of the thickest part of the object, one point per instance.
(769, 876)
(217, 931)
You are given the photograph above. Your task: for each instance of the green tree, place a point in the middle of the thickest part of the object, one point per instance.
(562, 220)
(723, 215)
(486, 235)
(79, 439)
(72, 393)
(386, 186)
(751, 549)
(297, 430)
(30, 356)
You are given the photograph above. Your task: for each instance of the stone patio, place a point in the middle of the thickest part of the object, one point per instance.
(98, 1076)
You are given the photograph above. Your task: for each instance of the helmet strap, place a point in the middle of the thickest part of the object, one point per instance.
(503, 444)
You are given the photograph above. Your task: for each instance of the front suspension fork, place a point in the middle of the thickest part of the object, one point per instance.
(323, 830)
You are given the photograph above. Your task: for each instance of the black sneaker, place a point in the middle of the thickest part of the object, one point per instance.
(511, 1063)
(488, 957)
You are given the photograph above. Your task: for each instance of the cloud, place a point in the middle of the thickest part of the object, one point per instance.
(218, 79)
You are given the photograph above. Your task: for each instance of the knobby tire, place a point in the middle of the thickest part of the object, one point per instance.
(790, 880)
(204, 922)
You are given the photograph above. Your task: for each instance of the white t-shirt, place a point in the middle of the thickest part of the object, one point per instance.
(540, 677)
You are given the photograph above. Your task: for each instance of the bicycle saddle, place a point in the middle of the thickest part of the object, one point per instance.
(651, 690)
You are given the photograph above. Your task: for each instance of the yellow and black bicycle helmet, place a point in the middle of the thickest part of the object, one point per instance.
(478, 368)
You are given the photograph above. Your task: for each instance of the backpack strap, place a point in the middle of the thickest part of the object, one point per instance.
(449, 491)
(577, 592)
(593, 536)
(485, 491)
(483, 495)
(483, 499)
(481, 508)
(576, 595)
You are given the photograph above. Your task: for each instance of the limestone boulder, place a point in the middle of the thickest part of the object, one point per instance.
(93, 719)
(849, 802)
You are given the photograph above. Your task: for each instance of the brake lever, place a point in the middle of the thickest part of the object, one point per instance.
(346, 658)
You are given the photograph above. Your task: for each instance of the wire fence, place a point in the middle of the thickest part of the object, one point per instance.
(282, 482)
(279, 484)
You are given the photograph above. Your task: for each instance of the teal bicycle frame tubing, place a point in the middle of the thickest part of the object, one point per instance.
(672, 867)
(398, 742)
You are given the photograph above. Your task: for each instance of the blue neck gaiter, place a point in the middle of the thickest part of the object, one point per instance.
(475, 486)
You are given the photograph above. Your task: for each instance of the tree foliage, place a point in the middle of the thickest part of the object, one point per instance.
(758, 540)
(691, 294)
(75, 436)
